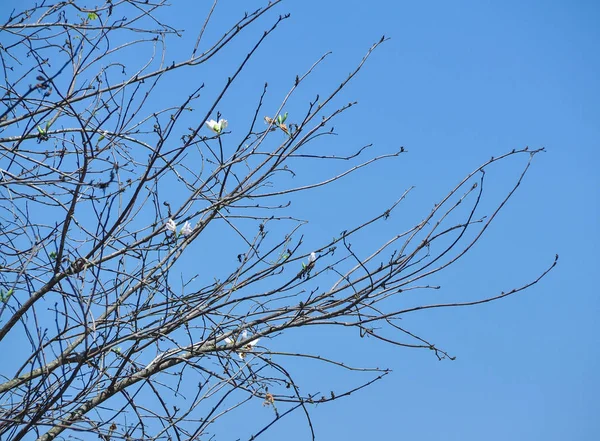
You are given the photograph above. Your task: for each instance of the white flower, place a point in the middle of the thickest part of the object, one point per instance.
(243, 351)
(171, 225)
(217, 127)
(187, 229)
(248, 346)
(312, 257)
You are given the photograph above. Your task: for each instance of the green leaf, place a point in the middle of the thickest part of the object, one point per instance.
(101, 138)
(92, 16)
(5, 296)
(53, 255)
(40, 130)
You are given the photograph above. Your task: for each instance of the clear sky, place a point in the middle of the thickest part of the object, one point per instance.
(456, 83)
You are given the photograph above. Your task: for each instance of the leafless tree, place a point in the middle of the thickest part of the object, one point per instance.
(106, 192)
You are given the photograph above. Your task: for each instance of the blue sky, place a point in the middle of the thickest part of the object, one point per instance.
(456, 83)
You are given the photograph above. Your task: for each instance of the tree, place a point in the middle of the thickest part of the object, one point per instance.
(107, 193)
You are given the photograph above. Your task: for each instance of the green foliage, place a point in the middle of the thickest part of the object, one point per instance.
(4, 296)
